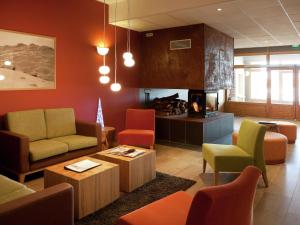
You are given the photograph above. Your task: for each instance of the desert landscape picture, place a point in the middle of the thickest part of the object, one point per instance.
(26, 61)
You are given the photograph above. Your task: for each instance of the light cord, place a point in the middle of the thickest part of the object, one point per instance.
(116, 41)
(104, 27)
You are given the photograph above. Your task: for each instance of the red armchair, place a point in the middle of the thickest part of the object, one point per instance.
(139, 128)
(229, 204)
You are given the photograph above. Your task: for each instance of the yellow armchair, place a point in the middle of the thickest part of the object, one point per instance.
(234, 158)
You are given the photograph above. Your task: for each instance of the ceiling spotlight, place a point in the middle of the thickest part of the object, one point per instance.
(219, 9)
(2, 77)
(7, 63)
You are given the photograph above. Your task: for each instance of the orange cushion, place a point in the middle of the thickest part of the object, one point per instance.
(171, 210)
(143, 138)
(288, 129)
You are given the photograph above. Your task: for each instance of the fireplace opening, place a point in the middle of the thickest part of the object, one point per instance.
(202, 103)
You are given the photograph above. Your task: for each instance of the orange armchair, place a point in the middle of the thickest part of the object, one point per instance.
(229, 204)
(139, 128)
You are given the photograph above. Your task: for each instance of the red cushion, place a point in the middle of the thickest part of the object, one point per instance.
(143, 138)
(171, 210)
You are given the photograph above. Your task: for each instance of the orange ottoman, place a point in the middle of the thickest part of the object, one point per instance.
(288, 129)
(275, 147)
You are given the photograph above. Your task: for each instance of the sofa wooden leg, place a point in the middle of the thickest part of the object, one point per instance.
(204, 165)
(265, 178)
(21, 177)
(216, 177)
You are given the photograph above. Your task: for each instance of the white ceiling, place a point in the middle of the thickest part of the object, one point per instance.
(252, 23)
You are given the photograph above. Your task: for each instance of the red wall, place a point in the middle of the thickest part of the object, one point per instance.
(78, 27)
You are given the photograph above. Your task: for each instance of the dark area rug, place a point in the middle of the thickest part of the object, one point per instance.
(158, 188)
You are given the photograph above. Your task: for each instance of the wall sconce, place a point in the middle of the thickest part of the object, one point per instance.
(102, 50)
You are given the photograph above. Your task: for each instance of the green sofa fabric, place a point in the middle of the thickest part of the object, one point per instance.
(60, 122)
(76, 142)
(46, 148)
(10, 190)
(30, 123)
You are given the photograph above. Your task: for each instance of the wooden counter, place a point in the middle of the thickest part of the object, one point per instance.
(193, 130)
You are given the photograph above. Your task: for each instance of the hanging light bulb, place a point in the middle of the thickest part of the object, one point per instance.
(129, 62)
(115, 87)
(104, 70)
(127, 55)
(104, 79)
(102, 50)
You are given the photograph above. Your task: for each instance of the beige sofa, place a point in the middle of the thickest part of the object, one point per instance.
(34, 139)
(21, 205)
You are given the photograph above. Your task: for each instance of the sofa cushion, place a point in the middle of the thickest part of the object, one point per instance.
(11, 190)
(141, 138)
(76, 142)
(46, 148)
(30, 123)
(60, 122)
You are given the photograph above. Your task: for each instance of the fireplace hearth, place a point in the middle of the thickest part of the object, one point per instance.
(202, 103)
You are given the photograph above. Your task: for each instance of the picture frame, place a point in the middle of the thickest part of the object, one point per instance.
(27, 61)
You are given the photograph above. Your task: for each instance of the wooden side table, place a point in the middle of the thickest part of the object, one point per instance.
(134, 172)
(108, 137)
(93, 189)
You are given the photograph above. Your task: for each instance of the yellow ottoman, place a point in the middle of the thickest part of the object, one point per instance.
(275, 147)
(288, 129)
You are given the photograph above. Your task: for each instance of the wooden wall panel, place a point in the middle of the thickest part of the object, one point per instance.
(282, 111)
(247, 109)
(165, 68)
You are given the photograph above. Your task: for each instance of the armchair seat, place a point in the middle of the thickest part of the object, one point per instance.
(226, 157)
(136, 137)
(75, 142)
(43, 149)
(173, 210)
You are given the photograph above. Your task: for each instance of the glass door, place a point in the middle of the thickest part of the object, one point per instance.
(282, 93)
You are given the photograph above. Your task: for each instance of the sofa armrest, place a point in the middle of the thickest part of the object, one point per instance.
(54, 205)
(14, 151)
(90, 129)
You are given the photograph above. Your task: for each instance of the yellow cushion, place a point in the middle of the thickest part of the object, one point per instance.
(30, 123)
(228, 158)
(60, 122)
(46, 148)
(75, 142)
(11, 190)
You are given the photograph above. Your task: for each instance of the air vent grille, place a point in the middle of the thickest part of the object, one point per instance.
(180, 44)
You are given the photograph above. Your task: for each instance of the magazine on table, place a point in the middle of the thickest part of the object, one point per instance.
(126, 151)
(82, 166)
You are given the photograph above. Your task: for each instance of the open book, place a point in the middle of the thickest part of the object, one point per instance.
(126, 151)
(82, 166)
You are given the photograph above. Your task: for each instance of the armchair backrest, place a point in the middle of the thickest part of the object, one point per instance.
(141, 119)
(229, 204)
(251, 139)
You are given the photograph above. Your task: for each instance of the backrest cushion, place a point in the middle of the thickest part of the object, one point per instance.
(251, 139)
(30, 123)
(60, 122)
(141, 119)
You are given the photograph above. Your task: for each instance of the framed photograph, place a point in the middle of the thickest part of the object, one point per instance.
(27, 61)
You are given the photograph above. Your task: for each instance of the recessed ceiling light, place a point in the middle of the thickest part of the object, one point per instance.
(2, 77)
(219, 9)
(7, 63)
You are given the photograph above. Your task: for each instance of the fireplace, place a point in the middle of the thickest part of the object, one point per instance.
(202, 103)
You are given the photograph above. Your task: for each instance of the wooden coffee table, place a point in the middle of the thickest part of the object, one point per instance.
(93, 189)
(134, 172)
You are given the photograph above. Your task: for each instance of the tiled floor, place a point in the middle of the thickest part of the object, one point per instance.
(277, 205)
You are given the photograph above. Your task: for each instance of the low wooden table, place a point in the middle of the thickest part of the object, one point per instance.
(134, 172)
(93, 189)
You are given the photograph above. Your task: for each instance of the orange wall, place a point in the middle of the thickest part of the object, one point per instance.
(78, 27)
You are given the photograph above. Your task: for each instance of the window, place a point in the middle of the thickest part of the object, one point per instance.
(282, 88)
(285, 59)
(250, 60)
(250, 85)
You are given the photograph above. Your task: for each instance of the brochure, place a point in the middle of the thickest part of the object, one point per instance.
(82, 166)
(126, 151)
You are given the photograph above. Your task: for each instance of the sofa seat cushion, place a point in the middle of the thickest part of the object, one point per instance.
(76, 142)
(11, 190)
(134, 137)
(172, 209)
(226, 157)
(30, 123)
(60, 122)
(46, 148)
